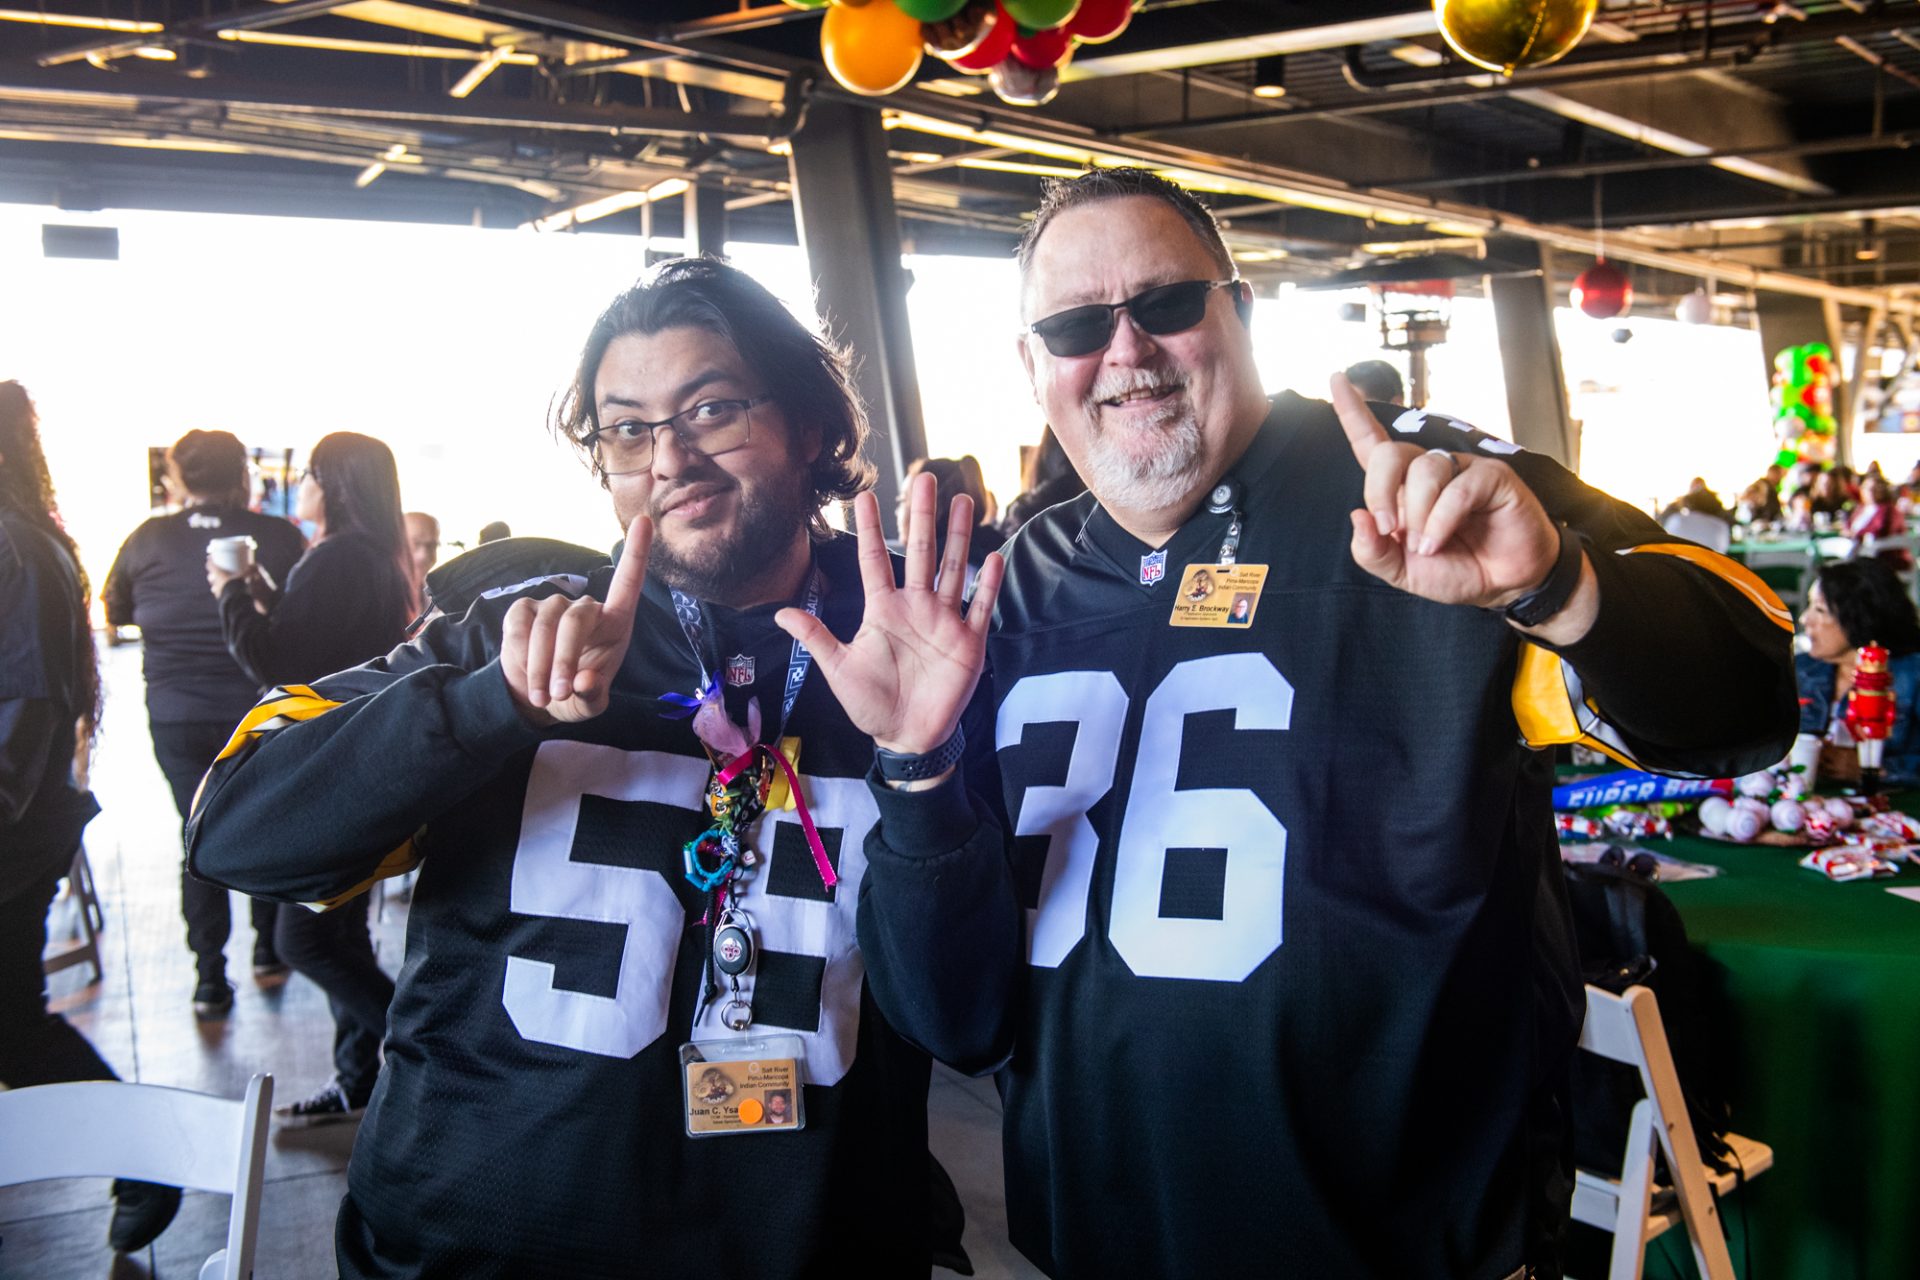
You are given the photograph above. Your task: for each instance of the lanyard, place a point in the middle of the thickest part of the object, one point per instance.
(1225, 501)
(799, 663)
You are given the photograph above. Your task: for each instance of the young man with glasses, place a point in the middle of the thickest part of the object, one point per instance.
(641, 831)
(1299, 993)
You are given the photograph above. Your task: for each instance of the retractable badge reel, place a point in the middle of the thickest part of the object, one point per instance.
(1226, 593)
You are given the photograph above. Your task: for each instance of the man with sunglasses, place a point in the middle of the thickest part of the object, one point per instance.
(1307, 858)
(623, 888)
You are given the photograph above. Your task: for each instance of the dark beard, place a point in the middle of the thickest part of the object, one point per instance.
(729, 570)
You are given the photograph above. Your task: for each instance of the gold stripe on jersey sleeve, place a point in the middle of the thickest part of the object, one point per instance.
(404, 858)
(1735, 575)
(277, 710)
(1549, 708)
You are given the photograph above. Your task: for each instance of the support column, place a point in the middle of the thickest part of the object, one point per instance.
(705, 219)
(1788, 320)
(1530, 353)
(843, 203)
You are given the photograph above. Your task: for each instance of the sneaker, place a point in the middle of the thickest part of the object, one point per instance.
(269, 970)
(212, 999)
(141, 1211)
(330, 1105)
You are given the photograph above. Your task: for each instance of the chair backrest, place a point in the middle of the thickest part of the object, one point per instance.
(105, 1128)
(1627, 1028)
(1697, 526)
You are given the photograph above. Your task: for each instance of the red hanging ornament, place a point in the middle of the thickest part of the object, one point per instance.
(1603, 291)
(992, 48)
(1097, 21)
(1042, 49)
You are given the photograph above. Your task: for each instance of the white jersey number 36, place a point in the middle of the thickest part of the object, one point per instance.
(1158, 817)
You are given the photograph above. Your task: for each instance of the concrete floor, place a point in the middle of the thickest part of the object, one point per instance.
(140, 1017)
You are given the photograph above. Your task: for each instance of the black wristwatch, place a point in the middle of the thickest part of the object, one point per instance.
(1551, 596)
(896, 766)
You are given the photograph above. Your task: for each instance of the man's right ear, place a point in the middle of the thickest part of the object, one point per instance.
(1026, 359)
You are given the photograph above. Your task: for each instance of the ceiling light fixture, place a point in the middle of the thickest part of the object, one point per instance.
(1270, 76)
(605, 206)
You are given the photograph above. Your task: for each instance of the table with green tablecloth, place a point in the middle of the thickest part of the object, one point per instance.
(1822, 983)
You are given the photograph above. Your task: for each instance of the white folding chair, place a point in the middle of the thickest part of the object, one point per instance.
(104, 1128)
(1698, 526)
(1632, 1207)
(89, 921)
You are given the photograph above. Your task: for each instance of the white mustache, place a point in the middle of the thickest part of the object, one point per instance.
(1121, 382)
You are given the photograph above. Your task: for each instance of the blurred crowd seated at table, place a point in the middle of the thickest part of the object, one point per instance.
(1807, 499)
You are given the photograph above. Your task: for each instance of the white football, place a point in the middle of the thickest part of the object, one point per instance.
(1713, 814)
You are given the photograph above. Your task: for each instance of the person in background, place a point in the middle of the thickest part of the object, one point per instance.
(977, 483)
(1852, 603)
(423, 551)
(953, 476)
(196, 693)
(1048, 478)
(49, 704)
(1827, 494)
(1879, 516)
(1760, 501)
(495, 531)
(1699, 498)
(347, 601)
(1378, 381)
(1799, 514)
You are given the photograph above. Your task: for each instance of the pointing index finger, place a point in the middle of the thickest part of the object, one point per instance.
(623, 593)
(1363, 429)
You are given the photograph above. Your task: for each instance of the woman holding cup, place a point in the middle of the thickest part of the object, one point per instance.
(346, 602)
(1853, 603)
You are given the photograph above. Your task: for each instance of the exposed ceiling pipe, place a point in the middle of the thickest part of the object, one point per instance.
(133, 86)
(247, 19)
(1825, 146)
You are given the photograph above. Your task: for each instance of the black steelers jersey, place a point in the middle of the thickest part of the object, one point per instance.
(1295, 981)
(528, 1119)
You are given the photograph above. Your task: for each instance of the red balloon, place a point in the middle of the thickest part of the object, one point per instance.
(1043, 48)
(1100, 20)
(993, 47)
(1603, 291)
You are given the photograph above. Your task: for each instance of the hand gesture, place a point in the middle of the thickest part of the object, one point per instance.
(1458, 528)
(906, 676)
(560, 655)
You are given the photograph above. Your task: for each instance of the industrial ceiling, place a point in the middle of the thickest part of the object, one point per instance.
(1757, 145)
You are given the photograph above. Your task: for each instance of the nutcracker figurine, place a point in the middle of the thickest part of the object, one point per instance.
(1870, 712)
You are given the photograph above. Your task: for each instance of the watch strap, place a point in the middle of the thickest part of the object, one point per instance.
(896, 766)
(1551, 596)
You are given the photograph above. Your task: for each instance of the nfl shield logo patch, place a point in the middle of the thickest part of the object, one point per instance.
(1153, 567)
(740, 670)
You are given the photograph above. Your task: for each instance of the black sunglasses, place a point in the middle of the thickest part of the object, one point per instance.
(1164, 309)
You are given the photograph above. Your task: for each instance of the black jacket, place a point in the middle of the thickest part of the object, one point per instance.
(43, 649)
(343, 604)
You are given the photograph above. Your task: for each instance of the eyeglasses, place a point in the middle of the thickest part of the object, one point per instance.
(710, 428)
(1167, 308)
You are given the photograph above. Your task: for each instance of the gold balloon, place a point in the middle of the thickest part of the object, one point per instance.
(1505, 35)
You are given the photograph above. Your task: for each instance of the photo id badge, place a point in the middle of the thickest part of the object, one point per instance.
(748, 1085)
(1218, 595)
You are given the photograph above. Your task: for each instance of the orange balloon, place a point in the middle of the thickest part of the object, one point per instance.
(873, 49)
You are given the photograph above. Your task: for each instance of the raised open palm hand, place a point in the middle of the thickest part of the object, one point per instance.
(907, 675)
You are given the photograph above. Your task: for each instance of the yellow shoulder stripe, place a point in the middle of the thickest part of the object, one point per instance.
(404, 858)
(1736, 575)
(292, 704)
(1548, 707)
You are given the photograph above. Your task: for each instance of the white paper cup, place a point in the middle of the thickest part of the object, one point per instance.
(1806, 752)
(231, 555)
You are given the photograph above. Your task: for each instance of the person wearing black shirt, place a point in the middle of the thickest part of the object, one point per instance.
(196, 693)
(546, 757)
(49, 700)
(1276, 913)
(346, 602)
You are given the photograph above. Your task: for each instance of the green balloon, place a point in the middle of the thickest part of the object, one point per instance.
(1786, 458)
(1040, 15)
(930, 10)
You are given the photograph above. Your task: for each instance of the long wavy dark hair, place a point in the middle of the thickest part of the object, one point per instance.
(807, 371)
(26, 487)
(361, 488)
(1871, 605)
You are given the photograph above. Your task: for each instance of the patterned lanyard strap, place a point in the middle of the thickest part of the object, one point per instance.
(737, 794)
